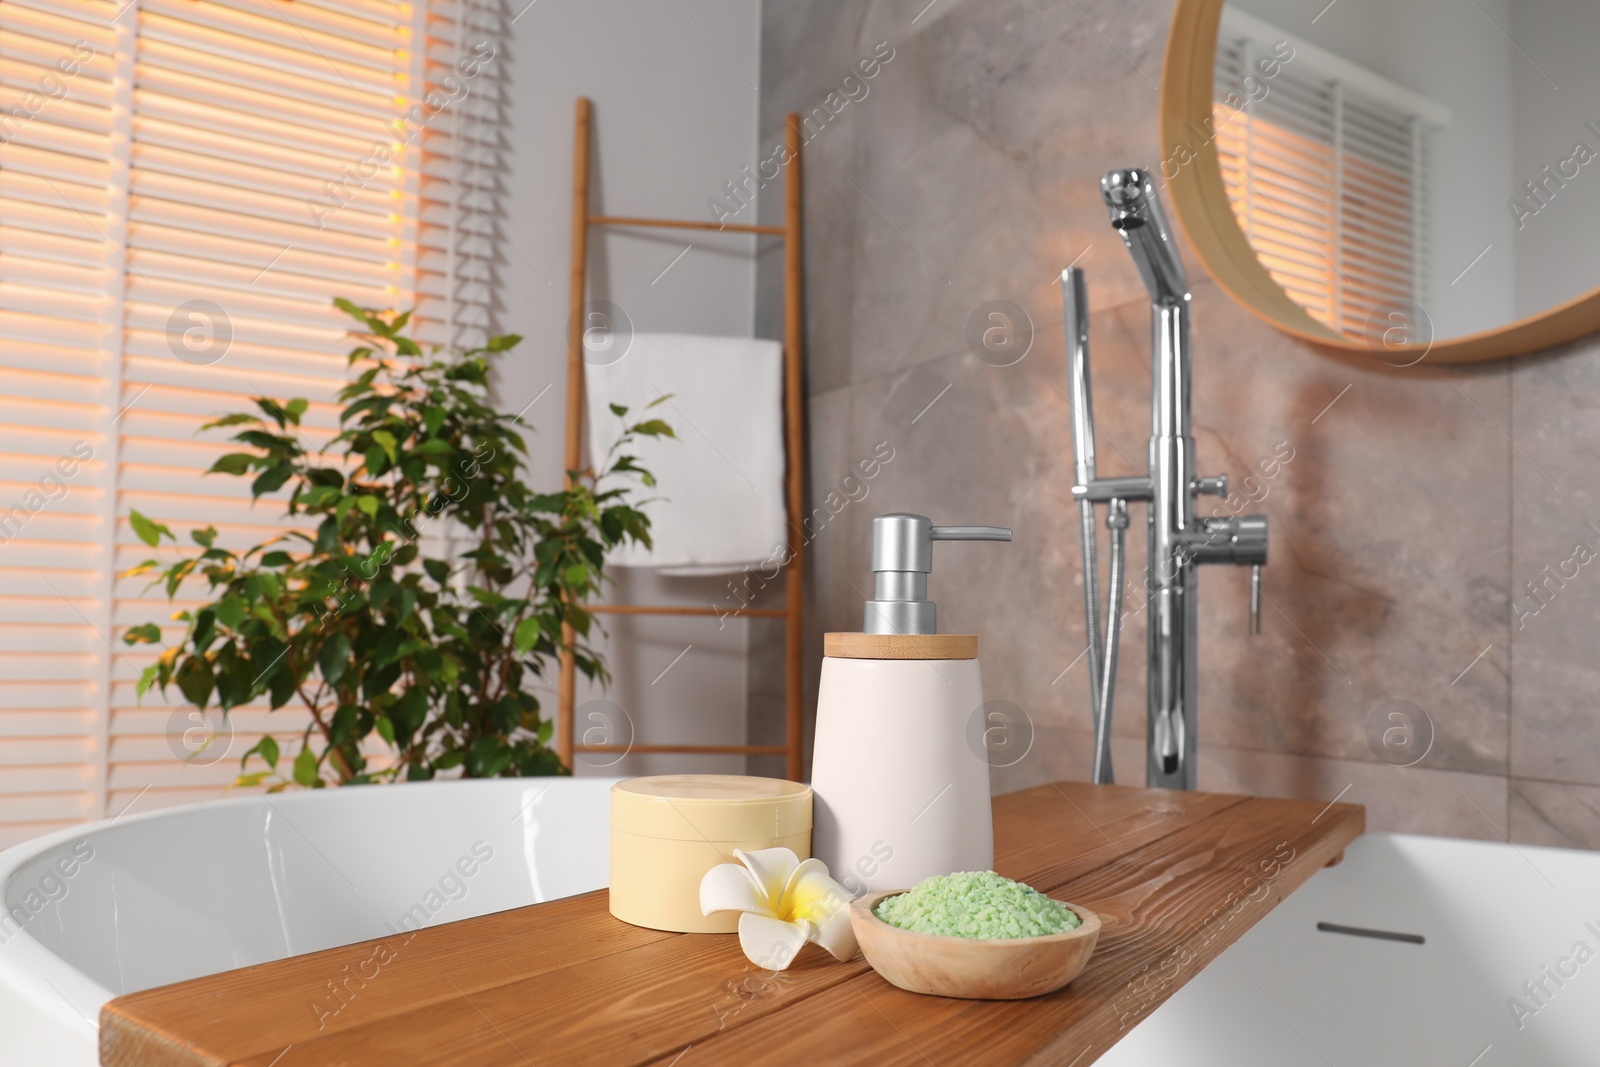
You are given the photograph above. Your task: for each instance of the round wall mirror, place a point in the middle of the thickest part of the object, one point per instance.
(1411, 178)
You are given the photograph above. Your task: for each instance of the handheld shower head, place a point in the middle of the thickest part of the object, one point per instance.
(1136, 214)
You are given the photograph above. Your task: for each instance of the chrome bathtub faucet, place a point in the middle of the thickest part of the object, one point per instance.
(1178, 540)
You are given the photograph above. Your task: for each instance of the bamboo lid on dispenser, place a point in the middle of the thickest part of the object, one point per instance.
(900, 646)
(668, 830)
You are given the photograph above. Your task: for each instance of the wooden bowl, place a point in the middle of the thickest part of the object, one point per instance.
(1010, 968)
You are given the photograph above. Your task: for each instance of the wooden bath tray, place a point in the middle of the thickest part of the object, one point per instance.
(1176, 878)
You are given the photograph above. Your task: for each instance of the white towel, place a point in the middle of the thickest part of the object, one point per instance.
(722, 478)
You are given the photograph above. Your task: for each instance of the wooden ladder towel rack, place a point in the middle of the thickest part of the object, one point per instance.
(794, 473)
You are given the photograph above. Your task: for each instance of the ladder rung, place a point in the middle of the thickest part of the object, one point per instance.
(665, 609)
(711, 750)
(683, 224)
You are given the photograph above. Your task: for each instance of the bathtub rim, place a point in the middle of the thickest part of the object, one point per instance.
(25, 960)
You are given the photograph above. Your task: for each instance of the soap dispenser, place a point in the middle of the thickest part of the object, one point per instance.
(901, 791)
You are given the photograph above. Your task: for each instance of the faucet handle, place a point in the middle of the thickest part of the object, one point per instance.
(1255, 598)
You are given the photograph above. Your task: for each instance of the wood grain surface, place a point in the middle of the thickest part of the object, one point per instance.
(1175, 877)
(900, 646)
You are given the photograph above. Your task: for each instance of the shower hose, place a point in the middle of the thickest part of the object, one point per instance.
(1102, 654)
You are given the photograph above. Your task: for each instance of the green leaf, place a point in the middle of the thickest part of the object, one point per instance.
(268, 656)
(234, 463)
(271, 479)
(177, 573)
(262, 439)
(526, 634)
(195, 680)
(378, 405)
(148, 634)
(204, 631)
(148, 530)
(487, 757)
(359, 314)
(380, 592)
(409, 712)
(276, 559)
(437, 569)
(385, 729)
(344, 720)
(305, 766)
(296, 408)
(267, 749)
(503, 342)
(280, 688)
(385, 440)
(334, 658)
(652, 428)
(432, 419)
(231, 611)
(147, 678)
(618, 410)
(273, 409)
(237, 419)
(368, 505)
(141, 568)
(205, 538)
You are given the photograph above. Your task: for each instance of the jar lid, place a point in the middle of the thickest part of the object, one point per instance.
(710, 807)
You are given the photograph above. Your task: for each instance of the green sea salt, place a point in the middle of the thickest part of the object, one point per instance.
(976, 904)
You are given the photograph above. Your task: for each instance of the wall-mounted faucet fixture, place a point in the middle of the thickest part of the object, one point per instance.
(1178, 541)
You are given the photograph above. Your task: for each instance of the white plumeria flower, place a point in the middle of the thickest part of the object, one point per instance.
(784, 904)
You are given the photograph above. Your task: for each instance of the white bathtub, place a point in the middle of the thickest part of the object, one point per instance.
(1491, 918)
(144, 900)
(149, 899)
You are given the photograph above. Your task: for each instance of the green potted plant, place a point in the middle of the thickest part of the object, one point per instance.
(372, 631)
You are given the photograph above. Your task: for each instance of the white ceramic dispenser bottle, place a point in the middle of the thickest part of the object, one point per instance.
(900, 776)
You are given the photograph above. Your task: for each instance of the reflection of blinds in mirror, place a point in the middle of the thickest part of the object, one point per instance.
(1326, 183)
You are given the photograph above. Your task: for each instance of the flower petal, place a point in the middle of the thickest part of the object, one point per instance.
(811, 894)
(771, 868)
(837, 935)
(771, 943)
(730, 887)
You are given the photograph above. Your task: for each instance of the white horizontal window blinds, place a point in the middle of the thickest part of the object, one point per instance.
(1325, 173)
(264, 179)
(459, 193)
(57, 63)
(173, 229)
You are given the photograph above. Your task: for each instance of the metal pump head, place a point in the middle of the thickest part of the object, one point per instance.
(902, 557)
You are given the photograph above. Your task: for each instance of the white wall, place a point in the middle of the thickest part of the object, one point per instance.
(675, 111)
(1557, 255)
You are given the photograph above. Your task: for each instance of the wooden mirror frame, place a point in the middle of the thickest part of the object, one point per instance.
(1200, 202)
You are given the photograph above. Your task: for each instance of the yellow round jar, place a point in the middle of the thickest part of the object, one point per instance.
(668, 830)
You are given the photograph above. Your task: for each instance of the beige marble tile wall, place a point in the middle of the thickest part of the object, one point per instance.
(1409, 507)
